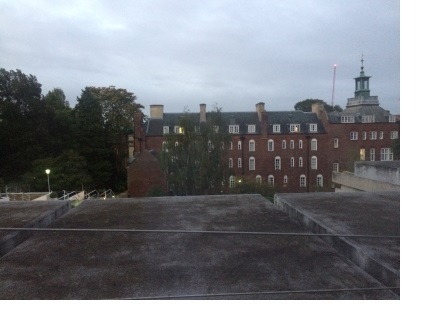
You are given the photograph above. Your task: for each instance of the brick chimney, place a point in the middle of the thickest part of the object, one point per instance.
(156, 111)
(260, 108)
(139, 140)
(202, 112)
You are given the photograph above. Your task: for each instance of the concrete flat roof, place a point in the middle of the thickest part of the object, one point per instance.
(195, 247)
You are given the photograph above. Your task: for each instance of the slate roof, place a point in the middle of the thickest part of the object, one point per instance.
(243, 119)
(380, 114)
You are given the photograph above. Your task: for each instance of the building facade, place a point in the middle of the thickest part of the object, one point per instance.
(294, 151)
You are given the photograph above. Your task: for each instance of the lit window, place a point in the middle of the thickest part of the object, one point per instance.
(271, 180)
(313, 127)
(362, 154)
(394, 134)
(233, 129)
(252, 164)
(314, 163)
(347, 119)
(252, 145)
(165, 130)
(319, 180)
(313, 144)
(335, 142)
(276, 128)
(295, 127)
(292, 144)
(300, 162)
(270, 145)
(239, 162)
(283, 144)
(277, 163)
(178, 130)
(372, 154)
(251, 128)
(373, 135)
(386, 154)
(353, 136)
(302, 181)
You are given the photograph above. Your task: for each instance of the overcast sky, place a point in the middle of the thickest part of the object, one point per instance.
(232, 53)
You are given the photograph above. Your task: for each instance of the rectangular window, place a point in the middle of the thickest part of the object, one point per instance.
(362, 154)
(367, 118)
(252, 145)
(372, 154)
(234, 129)
(386, 154)
(373, 135)
(283, 144)
(347, 119)
(380, 134)
(302, 181)
(292, 144)
(251, 128)
(364, 135)
(239, 162)
(394, 134)
(252, 164)
(313, 127)
(230, 163)
(216, 129)
(276, 128)
(197, 129)
(277, 163)
(336, 167)
(178, 130)
(165, 130)
(295, 127)
(392, 118)
(353, 136)
(231, 146)
(335, 142)
(270, 145)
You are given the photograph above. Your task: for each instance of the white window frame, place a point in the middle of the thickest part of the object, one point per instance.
(292, 161)
(302, 181)
(234, 129)
(392, 118)
(179, 130)
(380, 134)
(251, 128)
(347, 119)
(285, 179)
(239, 162)
(230, 162)
(353, 135)
(313, 163)
(313, 127)
(276, 128)
(232, 181)
(277, 163)
(165, 130)
(252, 164)
(335, 142)
(231, 145)
(364, 135)
(394, 134)
(313, 144)
(300, 144)
(386, 154)
(271, 145)
(373, 135)
(252, 145)
(259, 179)
(271, 180)
(300, 162)
(372, 154)
(319, 180)
(283, 144)
(239, 145)
(292, 144)
(295, 127)
(336, 167)
(367, 119)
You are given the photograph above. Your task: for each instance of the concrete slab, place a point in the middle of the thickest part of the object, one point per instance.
(201, 247)
(26, 214)
(376, 215)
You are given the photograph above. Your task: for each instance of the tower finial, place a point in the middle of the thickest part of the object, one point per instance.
(362, 62)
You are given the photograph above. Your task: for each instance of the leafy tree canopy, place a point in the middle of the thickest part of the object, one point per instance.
(305, 106)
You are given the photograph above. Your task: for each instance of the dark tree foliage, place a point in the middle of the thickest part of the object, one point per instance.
(196, 159)
(305, 106)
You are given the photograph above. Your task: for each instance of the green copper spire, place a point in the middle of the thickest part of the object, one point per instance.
(362, 82)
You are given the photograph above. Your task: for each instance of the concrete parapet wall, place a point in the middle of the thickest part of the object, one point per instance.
(388, 172)
(351, 182)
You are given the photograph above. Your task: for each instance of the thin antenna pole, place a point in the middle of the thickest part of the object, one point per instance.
(333, 86)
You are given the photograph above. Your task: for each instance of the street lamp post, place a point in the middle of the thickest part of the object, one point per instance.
(48, 176)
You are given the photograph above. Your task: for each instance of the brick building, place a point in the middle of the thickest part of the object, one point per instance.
(294, 151)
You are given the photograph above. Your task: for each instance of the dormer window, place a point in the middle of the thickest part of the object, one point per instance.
(313, 127)
(347, 119)
(165, 130)
(295, 127)
(234, 129)
(179, 130)
(367, 118)
(251, 128)
(276, 128)
(392, 118)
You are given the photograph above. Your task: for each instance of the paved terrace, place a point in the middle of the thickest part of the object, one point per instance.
(201, 247)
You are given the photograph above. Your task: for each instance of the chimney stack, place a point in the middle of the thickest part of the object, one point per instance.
(202, 112)
(260, 108)
(156, 111)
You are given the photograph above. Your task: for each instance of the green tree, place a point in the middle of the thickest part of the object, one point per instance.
(305, 106)
(196, 160)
